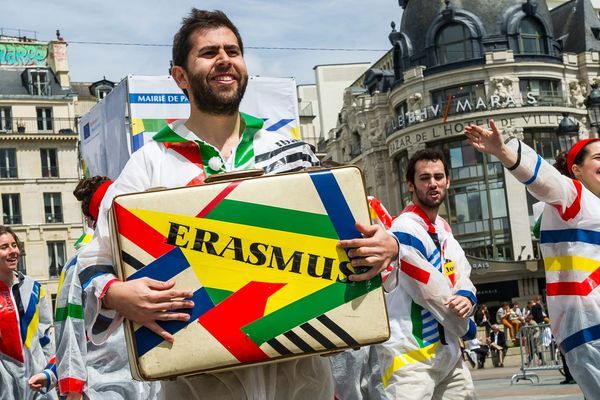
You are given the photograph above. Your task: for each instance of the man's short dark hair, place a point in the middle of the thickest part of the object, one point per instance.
(425, 154)
(199, 20)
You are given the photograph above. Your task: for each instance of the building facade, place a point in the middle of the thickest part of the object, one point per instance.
(455, 63)
(39, 154)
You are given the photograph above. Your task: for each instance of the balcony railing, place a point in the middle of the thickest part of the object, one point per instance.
(50, 172)
(8, 172)
(54, 218)
(12, 219)
(61, 126)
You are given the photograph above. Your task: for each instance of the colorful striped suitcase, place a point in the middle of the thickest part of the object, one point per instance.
(260, 256)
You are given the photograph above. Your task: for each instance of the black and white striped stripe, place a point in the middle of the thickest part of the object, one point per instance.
(330, 338)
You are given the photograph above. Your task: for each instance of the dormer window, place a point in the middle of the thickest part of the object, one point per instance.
(532, 37)
(454, 43)
(101, 88)
(37, 81)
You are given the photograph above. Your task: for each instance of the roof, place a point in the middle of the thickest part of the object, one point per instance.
(11, 84)
(576, 24)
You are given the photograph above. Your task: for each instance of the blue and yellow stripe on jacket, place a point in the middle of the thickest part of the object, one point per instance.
(30, 319)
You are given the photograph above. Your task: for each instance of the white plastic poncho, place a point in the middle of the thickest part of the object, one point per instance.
(25, 348)
(570, 245)
(415, 361)
(99, 372)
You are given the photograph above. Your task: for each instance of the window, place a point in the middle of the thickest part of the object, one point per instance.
(49, 163)
(53, 208)
(355, 148)
(476, 205)
(102, 91)
(11, 209)
(454, 43)
(8, 163)
(22, 265)
(56, 258)
(39, 83)
(401, 121)
(532, 37)
(462, 98)
(405, 194)
(44, 119)
(542, 92)
(5, 119)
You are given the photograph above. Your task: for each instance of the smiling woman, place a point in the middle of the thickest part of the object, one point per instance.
(569, 240)
(25, 319)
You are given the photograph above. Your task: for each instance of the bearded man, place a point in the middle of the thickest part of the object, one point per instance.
(430, 296)
(209, 67)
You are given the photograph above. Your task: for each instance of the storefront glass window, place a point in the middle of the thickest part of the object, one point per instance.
(476, 205)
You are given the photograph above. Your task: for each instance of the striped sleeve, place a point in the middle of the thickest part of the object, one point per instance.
(286, 157)
(50, 374)
(420, 276)
(71, 343)
(544, 181)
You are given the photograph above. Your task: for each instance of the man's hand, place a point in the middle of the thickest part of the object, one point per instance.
(375, 250)
(37, 382)
(461, 305)
(74, 396)
(146, 301)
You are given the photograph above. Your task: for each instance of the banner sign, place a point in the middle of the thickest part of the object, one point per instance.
(154, 101)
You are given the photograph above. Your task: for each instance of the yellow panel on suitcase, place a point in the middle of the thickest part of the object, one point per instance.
(260, 256)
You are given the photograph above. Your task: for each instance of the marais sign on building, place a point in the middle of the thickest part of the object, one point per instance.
(155, 101)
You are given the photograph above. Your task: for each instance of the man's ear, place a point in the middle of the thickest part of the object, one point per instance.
(410, 186)
(180, 76)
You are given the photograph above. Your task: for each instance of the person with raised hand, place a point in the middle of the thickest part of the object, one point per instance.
(569, 240)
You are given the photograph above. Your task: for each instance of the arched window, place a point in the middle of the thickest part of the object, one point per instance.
(454, 43)
(532, 37)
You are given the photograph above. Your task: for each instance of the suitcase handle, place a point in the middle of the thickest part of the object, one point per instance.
(234, 175)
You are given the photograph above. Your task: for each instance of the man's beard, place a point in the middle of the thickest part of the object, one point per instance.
(431, 204)
(210, 102)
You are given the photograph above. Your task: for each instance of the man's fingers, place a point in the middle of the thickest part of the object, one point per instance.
(365, 276)
(159, 285)
(171, 305)
(494, 127)
(361, 251)
(154, 327)
(172, 316)
(367, 230)
(168, 295)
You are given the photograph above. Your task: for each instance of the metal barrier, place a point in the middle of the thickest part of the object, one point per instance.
(539, 352)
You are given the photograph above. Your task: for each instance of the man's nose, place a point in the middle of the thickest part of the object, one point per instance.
(223, 58)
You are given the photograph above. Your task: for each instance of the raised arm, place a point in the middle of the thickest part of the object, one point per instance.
(543, 181)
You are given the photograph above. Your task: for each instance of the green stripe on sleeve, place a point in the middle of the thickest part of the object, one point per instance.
(71, 310)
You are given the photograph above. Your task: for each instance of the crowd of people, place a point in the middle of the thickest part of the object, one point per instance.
(430, 297)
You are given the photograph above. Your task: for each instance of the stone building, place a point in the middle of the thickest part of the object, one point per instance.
(460, 62)
(39, 165)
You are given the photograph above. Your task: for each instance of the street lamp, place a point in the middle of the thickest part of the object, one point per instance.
(592, 102)
(567, 132)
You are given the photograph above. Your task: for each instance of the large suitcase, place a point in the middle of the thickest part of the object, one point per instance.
(260, 256)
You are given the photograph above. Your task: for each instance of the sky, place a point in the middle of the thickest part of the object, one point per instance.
(326, 24)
